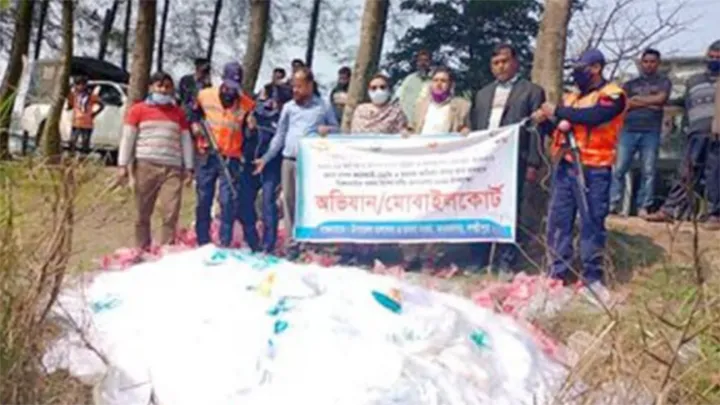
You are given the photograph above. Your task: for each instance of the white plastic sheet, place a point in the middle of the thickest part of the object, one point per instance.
(195, 328)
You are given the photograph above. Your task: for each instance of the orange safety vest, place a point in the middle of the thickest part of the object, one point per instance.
(225, 124)
(597, 144)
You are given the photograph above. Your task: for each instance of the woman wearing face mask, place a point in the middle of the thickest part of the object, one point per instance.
(440, 111)
(156, 141)
(379, 115)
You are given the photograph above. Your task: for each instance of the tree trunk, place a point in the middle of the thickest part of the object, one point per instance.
(547, 68)
(161, 41)
(20, 45)
(370, 39)
(50, 137)
(41, 28)
(377, 57)
(312, 34)
(143, 50)
(126, 34)
(259, 21)
(108, 22)
(547, 72)
(213, 28)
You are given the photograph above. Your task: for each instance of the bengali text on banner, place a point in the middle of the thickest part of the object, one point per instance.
(388, 189)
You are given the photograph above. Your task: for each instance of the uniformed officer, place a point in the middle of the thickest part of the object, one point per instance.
(593, 115)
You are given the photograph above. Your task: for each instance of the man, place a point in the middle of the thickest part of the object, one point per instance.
(267, 113)
(305, 114)
(647, 95)
(509, 100)
(338, 96)
(595, 115)
(191, 84)
(82, 102)
(277, 86)
(278, 79)
(415, 86)
(295, 65)
(702, 154)
(156, 139)
(227, 115)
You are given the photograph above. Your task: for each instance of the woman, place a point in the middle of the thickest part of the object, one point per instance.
(379, 115)
(438, 112)
(441, 111)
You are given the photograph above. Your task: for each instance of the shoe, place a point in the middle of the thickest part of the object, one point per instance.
(712, 223)
(643, 213)
(596, 294)
(658, 216)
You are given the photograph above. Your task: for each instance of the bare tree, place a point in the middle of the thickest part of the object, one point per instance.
(547, 70)
(371, 31)
(161, 41)
(126, 34)
(312, 33)
(41, 28)
(626, 28)
(213, 28)
(51, 131)
(143, 50)
(20, 45)
(259, 24)
(108, 21)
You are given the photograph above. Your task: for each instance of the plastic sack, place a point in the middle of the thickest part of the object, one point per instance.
(201, 326)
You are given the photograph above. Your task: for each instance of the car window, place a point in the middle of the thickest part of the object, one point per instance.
(109, 95)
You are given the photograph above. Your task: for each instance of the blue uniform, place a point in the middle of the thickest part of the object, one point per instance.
(268, 181)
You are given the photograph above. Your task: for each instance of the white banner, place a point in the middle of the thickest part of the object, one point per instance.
(388, 189)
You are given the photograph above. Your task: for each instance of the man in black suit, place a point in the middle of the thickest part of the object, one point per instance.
(506, 101)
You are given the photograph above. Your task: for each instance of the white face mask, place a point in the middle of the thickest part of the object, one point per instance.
(378, 96)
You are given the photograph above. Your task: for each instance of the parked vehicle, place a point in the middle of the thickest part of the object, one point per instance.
(34, 101)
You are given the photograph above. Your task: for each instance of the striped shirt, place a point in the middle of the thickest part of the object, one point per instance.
(157, 134)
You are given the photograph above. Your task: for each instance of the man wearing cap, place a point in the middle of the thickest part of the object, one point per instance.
(702, 153)
(594, 115)
(227, 115)
(305, 114)
(191, 84)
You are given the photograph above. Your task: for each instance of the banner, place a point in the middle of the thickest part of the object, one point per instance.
(388, 189)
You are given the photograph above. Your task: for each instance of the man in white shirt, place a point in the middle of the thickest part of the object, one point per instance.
(415, 85)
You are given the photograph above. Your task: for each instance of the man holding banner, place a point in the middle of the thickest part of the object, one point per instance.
(510, 100)
(584, 147)
(305, 114)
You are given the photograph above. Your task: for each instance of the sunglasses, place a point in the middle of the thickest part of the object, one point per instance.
(381, 87)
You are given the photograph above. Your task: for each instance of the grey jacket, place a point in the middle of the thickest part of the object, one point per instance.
(524, 99)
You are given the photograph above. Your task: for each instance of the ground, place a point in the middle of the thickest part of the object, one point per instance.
(653, 270)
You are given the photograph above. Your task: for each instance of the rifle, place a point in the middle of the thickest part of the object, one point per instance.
(207, 134)
(565, 128)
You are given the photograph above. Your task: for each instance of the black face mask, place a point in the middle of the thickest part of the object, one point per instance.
(227, 98)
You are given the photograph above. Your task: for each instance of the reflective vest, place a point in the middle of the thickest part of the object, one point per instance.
(597, 144)
(225, 124)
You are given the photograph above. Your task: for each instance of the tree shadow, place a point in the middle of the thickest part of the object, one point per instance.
(626, 253)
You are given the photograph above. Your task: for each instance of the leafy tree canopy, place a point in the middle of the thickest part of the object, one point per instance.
(462, 34)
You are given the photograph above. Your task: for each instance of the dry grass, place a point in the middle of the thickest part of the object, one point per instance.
(54, 220)
(663, 339)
